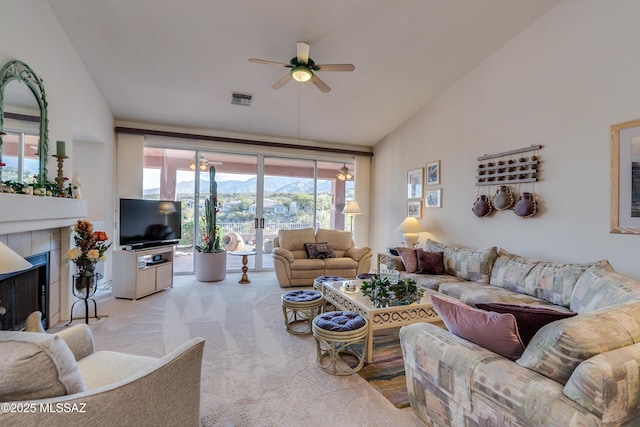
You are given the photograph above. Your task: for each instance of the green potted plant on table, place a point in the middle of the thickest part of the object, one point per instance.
(384, 292)
(211, 258)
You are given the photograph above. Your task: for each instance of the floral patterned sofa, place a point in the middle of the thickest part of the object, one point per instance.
(581, 370)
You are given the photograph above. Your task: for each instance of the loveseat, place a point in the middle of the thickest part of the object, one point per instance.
(299, 256)
(580, 370)
(59, 379)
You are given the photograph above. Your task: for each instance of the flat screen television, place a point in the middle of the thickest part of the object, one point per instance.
(148, 223)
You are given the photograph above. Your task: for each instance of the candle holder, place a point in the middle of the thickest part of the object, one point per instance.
(60, 177)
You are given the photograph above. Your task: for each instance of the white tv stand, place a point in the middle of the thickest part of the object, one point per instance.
(136, 275)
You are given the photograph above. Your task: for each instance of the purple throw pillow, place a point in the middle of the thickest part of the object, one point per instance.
(529, 318)
(429, 262)
(409, 259)
(494, 331)
(319, 250)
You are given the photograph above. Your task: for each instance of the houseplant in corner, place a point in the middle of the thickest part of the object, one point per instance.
(211, 258)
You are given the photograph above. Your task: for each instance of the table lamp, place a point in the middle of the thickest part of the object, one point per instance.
(410, 227)
(10, 262)
(351, 209)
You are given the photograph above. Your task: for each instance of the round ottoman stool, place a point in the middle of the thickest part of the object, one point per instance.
(318, 281)
(339, 334)
(299, 308)
(317, 285)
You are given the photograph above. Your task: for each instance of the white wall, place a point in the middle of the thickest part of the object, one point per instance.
(561, 83)
(30, 32)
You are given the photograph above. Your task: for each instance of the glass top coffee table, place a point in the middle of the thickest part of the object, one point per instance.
(379, 318)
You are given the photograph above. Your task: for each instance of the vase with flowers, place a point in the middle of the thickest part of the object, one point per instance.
(211, 258)
(90, 248)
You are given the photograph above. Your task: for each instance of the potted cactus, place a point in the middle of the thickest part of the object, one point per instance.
(211, 258)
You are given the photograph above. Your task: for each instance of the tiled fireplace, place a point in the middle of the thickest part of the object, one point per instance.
(32, 225)
(23, 292)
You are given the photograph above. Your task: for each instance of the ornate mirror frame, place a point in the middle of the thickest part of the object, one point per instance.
(18, 70)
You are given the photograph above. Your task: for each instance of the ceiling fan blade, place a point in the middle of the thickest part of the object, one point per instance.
(282, 81)
(303, 52)
(320, 84)
(336, 67)
(264, 61)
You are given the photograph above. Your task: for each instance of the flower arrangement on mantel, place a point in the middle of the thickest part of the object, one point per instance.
(211, 234)
(384, 292)
(90, 248)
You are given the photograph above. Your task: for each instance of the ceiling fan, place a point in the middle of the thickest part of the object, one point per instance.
(303, 67)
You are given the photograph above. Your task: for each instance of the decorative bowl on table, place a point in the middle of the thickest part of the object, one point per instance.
(350, 286)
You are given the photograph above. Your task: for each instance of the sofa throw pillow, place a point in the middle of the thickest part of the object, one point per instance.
(559, 347)
(319, 250)
(554, 281)
(470, 264)
(429, 262)
(494, 331)
(528, 318)
(37, 366)
(510, 270)
(409, 259)
(433, 246)
(601, 286)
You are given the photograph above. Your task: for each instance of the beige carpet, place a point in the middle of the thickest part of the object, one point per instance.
(254, 373)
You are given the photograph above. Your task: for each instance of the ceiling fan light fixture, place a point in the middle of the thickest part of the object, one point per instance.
(344, 174)
(301, 74)
(204, 163)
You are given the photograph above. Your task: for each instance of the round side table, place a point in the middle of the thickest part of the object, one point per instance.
(245, 259)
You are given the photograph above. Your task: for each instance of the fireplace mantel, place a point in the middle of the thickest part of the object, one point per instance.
(19, 212)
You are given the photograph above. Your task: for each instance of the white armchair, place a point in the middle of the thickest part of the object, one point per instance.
(59, 379)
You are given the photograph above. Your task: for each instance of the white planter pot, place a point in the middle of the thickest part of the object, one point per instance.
(211, 267)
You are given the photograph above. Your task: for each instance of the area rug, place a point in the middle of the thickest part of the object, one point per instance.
(386, 372)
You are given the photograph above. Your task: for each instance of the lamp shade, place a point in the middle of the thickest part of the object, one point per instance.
(10, 262)
(352, 208)
(410, 227)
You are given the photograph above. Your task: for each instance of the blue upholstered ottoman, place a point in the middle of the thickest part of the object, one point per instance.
(299, 308)
(339, 334)
(317, 285)
(318, 281)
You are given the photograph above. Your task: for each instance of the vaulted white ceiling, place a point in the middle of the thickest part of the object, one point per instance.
(177, 62)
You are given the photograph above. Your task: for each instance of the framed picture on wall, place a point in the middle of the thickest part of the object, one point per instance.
(433, 173)
(433, 198)
(414, 183)
(414, 208)
(625, 178)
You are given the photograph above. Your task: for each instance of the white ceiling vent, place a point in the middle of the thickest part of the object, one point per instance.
(241, 99)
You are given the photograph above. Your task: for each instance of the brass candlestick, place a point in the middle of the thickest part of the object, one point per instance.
(60, 177)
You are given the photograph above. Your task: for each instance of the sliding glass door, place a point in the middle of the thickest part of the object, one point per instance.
(236, 176)
(258, 195)
(289, 200)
